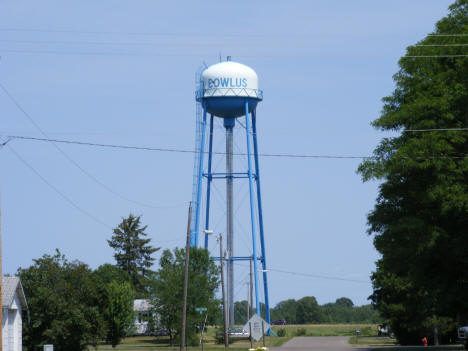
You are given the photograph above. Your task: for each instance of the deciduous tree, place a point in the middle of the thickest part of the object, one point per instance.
(420, 219)
(167, 289)
(63, 304)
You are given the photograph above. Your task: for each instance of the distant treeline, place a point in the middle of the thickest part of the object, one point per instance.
(307, 311)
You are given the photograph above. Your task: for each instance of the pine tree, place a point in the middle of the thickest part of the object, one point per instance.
(133, 252)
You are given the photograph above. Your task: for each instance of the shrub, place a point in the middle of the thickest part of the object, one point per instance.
(281, 332)
(219, 338)
(301, 332)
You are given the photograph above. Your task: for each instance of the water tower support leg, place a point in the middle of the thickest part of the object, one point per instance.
(252, 208)
(194, 237)
(260, 218)
(208, 183)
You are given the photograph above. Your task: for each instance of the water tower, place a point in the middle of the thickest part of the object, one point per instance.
(228, 91)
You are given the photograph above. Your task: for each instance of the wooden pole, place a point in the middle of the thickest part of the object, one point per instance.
(221, 262)
(186, 273)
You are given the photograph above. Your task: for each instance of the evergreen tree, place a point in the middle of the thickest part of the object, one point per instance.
(420, 219)
(133, 252)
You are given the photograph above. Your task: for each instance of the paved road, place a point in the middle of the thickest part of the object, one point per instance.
(318, 343)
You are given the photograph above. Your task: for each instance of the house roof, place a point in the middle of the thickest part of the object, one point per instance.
(10, 285)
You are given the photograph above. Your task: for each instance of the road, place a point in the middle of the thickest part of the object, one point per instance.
(318, 343)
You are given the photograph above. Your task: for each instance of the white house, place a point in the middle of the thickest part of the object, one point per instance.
(142, 310)
(13, 305)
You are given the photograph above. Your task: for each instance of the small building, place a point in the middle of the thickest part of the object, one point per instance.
(142, 310)
(14, 308)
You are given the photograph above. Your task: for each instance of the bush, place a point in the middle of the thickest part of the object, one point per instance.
(281, 332)
(301, 332)
(219, 338)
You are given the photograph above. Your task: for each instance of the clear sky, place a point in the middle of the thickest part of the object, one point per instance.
(123, 72)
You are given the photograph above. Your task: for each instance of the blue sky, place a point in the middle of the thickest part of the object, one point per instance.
(123, 72)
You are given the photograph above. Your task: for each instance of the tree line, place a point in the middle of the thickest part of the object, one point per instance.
(307, 311)
(420, 220)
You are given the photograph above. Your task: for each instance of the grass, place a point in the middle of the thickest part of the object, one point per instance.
(329, 329)
(376, 343)
(151, 343)
(372, 341)
(418, 348)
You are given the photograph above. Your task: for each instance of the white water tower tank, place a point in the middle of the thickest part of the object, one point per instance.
(226, 86)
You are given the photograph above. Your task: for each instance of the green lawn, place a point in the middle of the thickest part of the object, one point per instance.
(367, 338)
(372, 341)
(418, 348)
(149, 343)
(376, 343)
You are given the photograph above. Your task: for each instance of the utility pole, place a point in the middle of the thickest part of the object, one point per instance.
(248, 301)
(223, 291)
(251, 282)
(186, 273)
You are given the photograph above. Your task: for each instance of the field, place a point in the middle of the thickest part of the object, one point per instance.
(148, 343)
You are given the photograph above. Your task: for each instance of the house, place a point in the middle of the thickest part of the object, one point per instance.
(142, 310)
(14, 308)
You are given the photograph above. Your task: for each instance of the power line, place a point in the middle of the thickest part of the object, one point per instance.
(433, 56)
(56, 190)
(448, 35)
(108, 53)
(174, 150)
(435, 130)
(439, 45)
(317, 276)
(76, 164)
(169, 34)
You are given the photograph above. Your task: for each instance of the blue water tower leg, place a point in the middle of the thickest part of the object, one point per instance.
(252, 207)
(209, 178)
(194, 237)
(260, 216)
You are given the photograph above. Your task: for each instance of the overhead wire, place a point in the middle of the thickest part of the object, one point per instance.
(317, 276)
(72, 161)
(57, 191)
(191, 151)
(170, 34)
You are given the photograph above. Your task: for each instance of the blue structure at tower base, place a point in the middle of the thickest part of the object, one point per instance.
(231, 108)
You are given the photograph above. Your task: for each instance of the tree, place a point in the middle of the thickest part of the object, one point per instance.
(118, 310)
(420, 218)
(133, 253)
(344, 302)
(108, 273)
(116, 301)
(286, 310)
(63, 304)
(167, 289)
(308, 311)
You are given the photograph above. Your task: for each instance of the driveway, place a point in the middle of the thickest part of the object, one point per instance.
(318, 343)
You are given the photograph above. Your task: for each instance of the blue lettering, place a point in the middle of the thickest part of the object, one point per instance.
(224, 82)
(227, 83)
